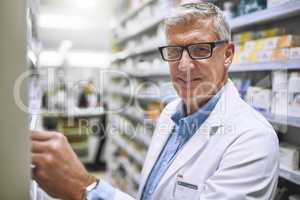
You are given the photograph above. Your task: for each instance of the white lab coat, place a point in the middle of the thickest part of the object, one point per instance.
(234, 155)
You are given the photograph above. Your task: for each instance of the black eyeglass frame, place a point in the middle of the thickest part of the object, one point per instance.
(213, 45)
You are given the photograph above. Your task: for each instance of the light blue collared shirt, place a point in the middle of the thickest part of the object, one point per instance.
(185, 128)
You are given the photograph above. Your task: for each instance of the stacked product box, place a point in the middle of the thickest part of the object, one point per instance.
(268, 49)
(289, 156)
(273, 3)
(294, 92)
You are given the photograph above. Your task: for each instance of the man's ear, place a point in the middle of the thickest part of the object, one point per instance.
(229, 54)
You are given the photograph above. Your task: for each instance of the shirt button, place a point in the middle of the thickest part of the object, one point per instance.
(150, 191)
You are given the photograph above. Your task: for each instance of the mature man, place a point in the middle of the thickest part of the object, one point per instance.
(208, 145)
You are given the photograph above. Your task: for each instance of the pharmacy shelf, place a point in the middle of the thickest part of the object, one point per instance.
(75, 112)
(135, 11)
(144, 138)
(135, 52)
(149, 74)
(266, 66)
(132, 172)
(161, 71)
(142, 30)
(146, 97)
(260, 17)
(121, 92)
(133, 117)
(137, 156)
(143, 97)
(139, 119)
(139, 73)
(284, 120)
(291, 175)
(280, 12)
(140, 137)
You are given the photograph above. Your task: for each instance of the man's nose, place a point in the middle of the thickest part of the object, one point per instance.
(186, 62)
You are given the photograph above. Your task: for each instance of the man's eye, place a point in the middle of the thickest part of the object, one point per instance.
(200, 48)
(200, 51)
(173, 51)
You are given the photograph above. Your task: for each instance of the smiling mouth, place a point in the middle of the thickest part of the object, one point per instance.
(190, 81)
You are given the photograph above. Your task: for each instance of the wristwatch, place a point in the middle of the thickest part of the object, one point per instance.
(89, 189)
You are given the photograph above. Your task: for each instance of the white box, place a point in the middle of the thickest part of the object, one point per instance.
(280, 103)
(294, 82)
(259, 98)
(279, 81)
(289, 156)
(294, 107)
(295, 53)
(273, 3)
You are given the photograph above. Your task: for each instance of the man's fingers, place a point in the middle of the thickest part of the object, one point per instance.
(41, 136)
(39, 147)
(37, 159)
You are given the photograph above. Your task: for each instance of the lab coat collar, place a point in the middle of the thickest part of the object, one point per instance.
(197, 142)
(215, 120)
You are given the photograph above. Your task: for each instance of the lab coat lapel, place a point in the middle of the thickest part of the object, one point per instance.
(198, 141)
(162, 134)
(194, 145)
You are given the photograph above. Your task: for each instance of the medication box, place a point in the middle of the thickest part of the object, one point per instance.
(295, 53)
(278, 42)
(289, 156)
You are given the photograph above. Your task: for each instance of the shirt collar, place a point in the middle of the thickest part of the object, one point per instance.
(200, 115)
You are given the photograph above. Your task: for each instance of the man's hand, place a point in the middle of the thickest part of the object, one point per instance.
(58, 171)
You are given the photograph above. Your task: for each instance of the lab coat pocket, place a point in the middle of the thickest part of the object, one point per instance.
(186, 191)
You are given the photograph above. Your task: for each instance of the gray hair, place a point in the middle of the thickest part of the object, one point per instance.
(191, 12)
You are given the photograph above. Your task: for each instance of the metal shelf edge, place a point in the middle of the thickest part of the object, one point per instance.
(284, 120)
(129, 149)
(135, 11)
(128, 54)
(145, 28)
(278, 12)
(265, 66)
(291, 175)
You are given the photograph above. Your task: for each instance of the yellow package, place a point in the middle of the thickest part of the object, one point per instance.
(258, 45)
(271, 43)
(272, 32)
(248, 57)
(239, 47)
(154, 110)
(244, 37)
(261, 44)
(253, 56)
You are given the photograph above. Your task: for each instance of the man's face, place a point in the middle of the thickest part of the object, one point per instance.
(195, 80)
